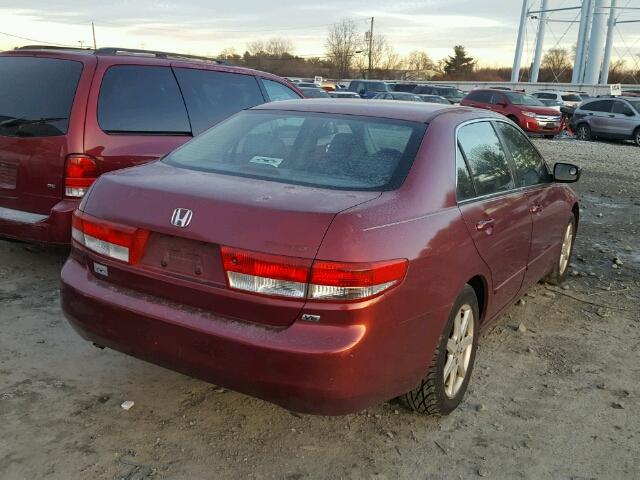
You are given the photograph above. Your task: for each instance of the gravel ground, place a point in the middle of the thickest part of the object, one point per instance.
(555, 393)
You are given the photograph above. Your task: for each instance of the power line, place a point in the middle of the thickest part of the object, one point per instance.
(34, 40)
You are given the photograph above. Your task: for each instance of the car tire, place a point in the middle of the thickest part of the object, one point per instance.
(561, 267)
(636, 136)
(583, 132)
(456, 352)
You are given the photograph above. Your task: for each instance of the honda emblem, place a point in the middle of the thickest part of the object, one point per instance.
(181, 217)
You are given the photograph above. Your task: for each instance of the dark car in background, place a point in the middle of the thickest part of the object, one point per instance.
(434, 99)
(313, 92)
(69, 115)
(343, 94)
(611, 118)
(401, 96)
(526, 111)
(453, 94)
(322, 255)
(368, 88)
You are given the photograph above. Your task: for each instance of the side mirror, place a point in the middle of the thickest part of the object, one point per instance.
(566, 173)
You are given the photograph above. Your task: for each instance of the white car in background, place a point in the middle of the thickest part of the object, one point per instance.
(567, 99)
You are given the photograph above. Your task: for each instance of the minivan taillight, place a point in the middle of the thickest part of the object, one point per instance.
(110, 239)
(80, 172)
(295, 278)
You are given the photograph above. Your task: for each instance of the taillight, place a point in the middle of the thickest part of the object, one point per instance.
(79, 173)
(113, 240)
(296, 278)
(353, 281)
(264, 273)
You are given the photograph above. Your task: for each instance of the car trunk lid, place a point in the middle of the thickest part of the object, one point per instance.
(182, 259)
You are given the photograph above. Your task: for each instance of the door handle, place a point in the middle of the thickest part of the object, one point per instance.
(485, 225)
(536, 209)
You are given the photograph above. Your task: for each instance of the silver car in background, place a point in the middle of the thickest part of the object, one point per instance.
(613, 118)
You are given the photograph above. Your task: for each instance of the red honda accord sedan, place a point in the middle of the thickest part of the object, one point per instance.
(325, 256)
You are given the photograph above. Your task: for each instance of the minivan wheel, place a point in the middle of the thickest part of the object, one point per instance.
(583, 132)
(636, 136)
(445, 384)
(561, 267)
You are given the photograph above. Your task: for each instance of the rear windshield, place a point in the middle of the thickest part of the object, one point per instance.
(378, 87)
(322, 150)
(571, 98)
(36, 95)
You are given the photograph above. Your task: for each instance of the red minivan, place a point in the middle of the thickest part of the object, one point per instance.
(325, 256)
(69, 115)
(526, 111)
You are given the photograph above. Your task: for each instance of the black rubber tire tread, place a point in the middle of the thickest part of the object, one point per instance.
(554, 277)
(429, 397)
(636, 136)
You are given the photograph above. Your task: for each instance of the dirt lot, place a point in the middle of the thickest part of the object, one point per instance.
(560, 399)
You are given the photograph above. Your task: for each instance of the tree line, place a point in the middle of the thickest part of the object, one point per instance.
(347, 51)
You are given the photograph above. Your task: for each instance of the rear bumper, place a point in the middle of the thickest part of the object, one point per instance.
(54, 228)
(306, 367)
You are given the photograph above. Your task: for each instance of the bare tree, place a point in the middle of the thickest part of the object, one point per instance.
(557, 60)
(420, 61)
(343, 41)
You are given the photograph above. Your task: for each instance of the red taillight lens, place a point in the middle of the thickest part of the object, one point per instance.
(264, 273)
(294, 277)
(113, 240)
(354, 281)
(79, 173)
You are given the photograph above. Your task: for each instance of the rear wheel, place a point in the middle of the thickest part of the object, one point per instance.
(583, 132)
(636, 136)
(561, 267)
(445, 384)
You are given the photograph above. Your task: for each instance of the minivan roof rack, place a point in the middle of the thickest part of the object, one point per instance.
(154, 53)
(52, 47)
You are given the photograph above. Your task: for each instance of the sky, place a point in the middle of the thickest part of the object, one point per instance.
(488, 28)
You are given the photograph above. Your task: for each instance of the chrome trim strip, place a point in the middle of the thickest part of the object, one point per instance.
(19, 216)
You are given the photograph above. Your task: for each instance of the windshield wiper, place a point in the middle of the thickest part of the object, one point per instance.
(19, 122)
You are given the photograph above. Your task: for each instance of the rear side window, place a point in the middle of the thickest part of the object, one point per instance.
(345, 152)
(530, 166)
(482, 97)
(277, 91)
(141, 99)
(486, 158)
(213, 96)
(36, 95)
(464, 187)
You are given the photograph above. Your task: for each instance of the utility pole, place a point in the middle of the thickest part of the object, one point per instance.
(581, 42)
(370, 49)
(542, 19)
(596, 42)
(93, 31)
(604, 74)
(517, 59)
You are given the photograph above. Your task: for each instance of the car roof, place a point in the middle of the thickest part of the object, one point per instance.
(411, 111)
(135, 57)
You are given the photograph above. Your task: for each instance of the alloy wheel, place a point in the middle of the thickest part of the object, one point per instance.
(582, 133)
(459, 348)
(565, 251)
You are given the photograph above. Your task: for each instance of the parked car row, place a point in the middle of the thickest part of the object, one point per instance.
(262, 255)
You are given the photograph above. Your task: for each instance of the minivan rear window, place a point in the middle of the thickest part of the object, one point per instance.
(333, 151)
(36, 95)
